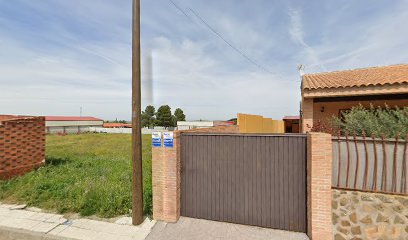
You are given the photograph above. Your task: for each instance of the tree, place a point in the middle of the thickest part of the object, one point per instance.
(148, 119)
(179, 115)
(235, 120)
(164, 117)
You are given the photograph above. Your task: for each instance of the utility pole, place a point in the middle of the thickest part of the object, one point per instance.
(137, 184)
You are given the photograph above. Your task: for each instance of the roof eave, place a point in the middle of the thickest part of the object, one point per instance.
(356, 91)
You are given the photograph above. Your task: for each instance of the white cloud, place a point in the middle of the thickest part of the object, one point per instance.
(297, 34)
(192, 79)
(58, 55)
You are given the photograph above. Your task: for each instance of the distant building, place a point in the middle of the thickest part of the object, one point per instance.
(117, 125)
(64, 124)
(187, 125)
(292, 124)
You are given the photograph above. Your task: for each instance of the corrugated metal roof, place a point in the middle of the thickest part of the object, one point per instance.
(70, 118)
(395, 74)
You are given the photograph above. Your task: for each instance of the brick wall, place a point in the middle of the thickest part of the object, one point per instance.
(319, 170)
(166, 181)
(307, 115)
(22, 145)
(216, 129)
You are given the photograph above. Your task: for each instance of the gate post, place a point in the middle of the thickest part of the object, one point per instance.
(166, 181)
(319, 178)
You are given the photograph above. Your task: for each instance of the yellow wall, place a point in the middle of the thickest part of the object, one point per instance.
(257, 124)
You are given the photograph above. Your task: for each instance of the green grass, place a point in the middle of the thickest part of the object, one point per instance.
(88, 174)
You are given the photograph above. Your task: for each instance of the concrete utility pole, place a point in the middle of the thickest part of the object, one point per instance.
(137, 182)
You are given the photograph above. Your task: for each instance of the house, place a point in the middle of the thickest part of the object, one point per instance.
(291, 124)
(329, 94)
(65, 124)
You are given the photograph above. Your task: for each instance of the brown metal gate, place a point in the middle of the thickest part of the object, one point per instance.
(247, 179)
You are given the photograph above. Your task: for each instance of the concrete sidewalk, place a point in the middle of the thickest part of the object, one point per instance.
(200, 229)
(17, 223)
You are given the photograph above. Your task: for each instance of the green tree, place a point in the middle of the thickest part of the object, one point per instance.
(179, 115)
(164, 117)
(148, 116)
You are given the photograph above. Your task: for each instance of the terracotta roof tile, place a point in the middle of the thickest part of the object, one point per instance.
(395, 74)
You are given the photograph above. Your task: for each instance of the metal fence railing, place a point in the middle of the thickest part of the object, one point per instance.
(370, 164)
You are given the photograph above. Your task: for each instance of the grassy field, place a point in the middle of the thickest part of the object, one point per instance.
(88, 174)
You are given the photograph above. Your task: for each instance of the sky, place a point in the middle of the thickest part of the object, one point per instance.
(211, 58)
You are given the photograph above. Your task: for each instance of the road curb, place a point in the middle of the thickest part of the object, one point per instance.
(7, 233)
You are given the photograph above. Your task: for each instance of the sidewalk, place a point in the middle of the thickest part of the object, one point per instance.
(200, 229)
(55, 226)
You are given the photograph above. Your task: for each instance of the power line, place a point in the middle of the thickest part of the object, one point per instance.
(228, 43)
(220, 36)
(180, 9)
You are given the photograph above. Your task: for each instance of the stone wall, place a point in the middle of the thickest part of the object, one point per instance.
(361, 215)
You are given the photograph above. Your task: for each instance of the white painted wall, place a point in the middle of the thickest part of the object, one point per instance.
(124, 130)
(72, 123)
(185, 125)
(110, 130)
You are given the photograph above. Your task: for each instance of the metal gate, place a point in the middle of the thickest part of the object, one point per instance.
(247, 179)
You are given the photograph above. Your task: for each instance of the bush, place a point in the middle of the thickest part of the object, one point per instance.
(372, 121)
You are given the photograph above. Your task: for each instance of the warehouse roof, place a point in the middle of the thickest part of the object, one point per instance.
(68, 118)
(373, 76)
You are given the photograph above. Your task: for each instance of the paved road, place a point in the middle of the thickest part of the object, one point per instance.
(198, 229)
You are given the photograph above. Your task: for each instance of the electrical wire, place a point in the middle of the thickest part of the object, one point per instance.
(220, 36)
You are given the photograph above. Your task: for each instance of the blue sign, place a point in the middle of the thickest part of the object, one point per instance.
(156, 139)
(168, 139)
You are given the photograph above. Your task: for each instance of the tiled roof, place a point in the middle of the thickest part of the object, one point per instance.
(395, 74)
(65, 118)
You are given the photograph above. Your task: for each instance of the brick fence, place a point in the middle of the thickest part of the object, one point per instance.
(166, 175)
(319, 197)
(166, 179)
(22, 145)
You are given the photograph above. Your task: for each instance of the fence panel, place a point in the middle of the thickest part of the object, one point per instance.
(245, 178)
(371, 164)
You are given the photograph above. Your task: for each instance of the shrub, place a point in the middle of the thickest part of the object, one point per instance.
(373, 121)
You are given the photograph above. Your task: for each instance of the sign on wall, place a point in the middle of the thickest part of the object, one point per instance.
(156, 139)
(168, 139)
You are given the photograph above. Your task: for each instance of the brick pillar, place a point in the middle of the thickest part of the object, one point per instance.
(319, 170)
(166, 181)
(307, 114)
